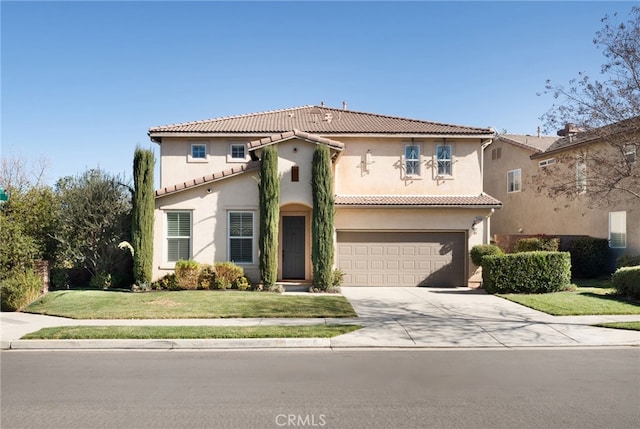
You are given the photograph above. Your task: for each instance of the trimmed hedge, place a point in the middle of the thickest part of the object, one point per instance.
(627, 261)
(588, 257)
(626, 280)
(534, 244)
(527, 272)
(481, 250)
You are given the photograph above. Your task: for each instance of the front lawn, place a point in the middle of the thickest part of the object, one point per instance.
(92, 304)
(597, 300)
(632, 326)
(188, 332)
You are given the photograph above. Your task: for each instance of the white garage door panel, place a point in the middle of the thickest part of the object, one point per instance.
(402, 258)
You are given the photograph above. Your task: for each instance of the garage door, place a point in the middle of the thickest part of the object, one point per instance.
(402, 258)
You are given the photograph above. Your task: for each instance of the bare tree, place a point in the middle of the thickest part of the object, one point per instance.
(604, 118)
(18, 174)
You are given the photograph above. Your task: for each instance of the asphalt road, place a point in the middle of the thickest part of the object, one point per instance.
(583, 388)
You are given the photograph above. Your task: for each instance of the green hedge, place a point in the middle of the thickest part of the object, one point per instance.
(20, 289)
(481, 250)
(626, 280)
(589, 257)
(537, 243)
(627, 261)
(527, 272)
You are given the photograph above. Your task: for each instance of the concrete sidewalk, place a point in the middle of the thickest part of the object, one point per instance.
(391, 318)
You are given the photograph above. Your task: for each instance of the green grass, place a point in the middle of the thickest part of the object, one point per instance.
(633, 326)
(583, 301)
(92, 304)
(188, 332)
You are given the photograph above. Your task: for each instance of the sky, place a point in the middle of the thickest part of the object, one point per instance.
(82, 82)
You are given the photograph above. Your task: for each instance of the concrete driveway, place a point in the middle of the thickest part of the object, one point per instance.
(392, 317)
(464, 317)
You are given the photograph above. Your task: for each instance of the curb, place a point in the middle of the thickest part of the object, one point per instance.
(178, 344)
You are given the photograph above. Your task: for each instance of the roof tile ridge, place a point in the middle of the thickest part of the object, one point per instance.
(224, 118)
(380, 115)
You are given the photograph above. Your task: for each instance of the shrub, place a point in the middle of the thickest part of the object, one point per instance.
(338, 277)
(588, 256)
(481, 250)
(241, 283)
(101, 280)
(227, 273)
(537, 243)
(627, 261)
(207, 277)
(187, 272)
(528, 272)
(20, 289)
(167, 282)
(626, 280)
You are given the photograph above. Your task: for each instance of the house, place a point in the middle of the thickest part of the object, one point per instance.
(544, 183)
(409, 202)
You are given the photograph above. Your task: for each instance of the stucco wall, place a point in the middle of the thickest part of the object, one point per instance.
(527, 212)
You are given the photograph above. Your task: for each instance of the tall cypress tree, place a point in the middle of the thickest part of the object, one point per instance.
(269, 190)
(142, 215)
(322, 218)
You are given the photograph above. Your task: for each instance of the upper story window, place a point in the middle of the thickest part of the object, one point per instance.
(496, 153)
(444, 160)
(514, 180)
(198, 151)
(238, 151)
(630, 153)
(178, 236)
(546, 162)
(412, 160)
(618, 229)
(241, 238)
(581, 175)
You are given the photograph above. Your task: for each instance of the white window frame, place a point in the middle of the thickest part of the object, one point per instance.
(415, 170)
(448, 160)
(178, 237)
(514, 176)
(618, 230)
(546, 162)
(581, 175)
(630, 153)
(231, 158)
(195, 145)
(242, 237)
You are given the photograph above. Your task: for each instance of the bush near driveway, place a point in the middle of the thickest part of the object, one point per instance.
(537, 243)
(626, 280)
(527, 272)
(481, 250)
(588, 257)
(20, 289)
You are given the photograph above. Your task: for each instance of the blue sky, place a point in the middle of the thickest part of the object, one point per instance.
(83, 81)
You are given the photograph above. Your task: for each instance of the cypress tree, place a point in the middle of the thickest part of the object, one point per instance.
(269, 195)
(142, 215)
(322, 218)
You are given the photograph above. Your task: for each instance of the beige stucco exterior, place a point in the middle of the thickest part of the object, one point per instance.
(380, 172)
(528, 212)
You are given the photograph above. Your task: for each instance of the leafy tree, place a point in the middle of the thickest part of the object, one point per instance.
(269, 190)
(142, 215)
(606, 110)
(322, 218)
(95, 216)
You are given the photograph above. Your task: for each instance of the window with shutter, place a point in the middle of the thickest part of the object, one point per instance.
(618, 229)
(178, 236)
(241, 237)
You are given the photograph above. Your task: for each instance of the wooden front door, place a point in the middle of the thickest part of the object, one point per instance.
(293, 247)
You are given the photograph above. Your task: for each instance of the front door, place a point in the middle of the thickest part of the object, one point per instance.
(293, 247)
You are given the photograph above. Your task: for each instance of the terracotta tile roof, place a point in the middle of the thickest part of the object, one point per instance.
(316, 119)
(482, 200)
(313, 138)
(199, 181)
(533, 143)
(629, 128)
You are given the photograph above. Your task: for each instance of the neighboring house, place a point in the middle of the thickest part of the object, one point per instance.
(515, 174)
(408, 194)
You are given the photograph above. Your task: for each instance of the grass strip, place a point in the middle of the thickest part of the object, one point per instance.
(632, 326)
(98, 304)
(581, 302)
(188, 332)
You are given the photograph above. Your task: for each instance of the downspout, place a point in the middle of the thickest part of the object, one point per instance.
(482, 148)
(487, 228)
